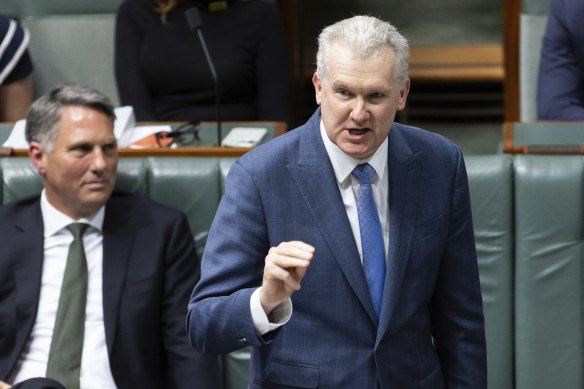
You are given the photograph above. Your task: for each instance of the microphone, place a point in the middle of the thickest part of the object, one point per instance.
(195, 24)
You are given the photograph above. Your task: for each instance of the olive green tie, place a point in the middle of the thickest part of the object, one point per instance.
(67, 343)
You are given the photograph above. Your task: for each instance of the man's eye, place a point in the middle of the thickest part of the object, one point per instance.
(109, 148)
(83, 149)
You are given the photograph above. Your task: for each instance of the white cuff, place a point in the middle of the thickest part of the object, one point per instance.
(278, 317)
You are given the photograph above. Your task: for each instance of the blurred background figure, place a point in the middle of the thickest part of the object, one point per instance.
(162, 72)
(560, 92)
(15, 71)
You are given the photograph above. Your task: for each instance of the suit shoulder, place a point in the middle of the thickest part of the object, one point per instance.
(423, 140)
(14, 208)
(140, 206)
(278, 151)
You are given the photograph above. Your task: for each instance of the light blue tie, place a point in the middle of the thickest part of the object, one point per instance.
(371, 235)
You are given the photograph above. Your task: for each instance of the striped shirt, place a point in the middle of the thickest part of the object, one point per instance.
(14, 59)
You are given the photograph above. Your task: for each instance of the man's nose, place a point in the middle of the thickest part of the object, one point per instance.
(359, 111)
(98, 160)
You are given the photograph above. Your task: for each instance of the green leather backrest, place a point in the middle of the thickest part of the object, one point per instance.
(21, 8)
(491, 189)
(549, 322)
(20, 179)
(73, 48)
(195, 185)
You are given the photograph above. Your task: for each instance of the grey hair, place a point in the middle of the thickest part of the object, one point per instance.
(364, 34)
(44, 114)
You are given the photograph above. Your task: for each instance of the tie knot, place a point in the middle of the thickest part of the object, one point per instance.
(77, 229)
(364, 173)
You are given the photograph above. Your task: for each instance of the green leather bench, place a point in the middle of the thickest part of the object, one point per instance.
(528, 216)
(549, 272)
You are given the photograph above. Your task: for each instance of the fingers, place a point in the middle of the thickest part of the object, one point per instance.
(285, 266)
(4, 385)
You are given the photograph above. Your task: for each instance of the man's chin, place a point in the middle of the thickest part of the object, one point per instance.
(357, 151)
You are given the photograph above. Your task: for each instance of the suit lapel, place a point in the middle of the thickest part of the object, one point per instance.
(314, 177)
(118, 238)
(28, 249)
(402, 173)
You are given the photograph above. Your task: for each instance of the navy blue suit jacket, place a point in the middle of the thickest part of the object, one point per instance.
(431, 330)
(560, 93)
(149, 265)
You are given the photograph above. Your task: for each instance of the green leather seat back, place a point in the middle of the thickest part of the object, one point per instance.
(549, 321)
(191, 184)
(73, 48)
(491, 189)
(20, 179)
(22, 8)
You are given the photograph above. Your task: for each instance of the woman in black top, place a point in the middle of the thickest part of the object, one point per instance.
(162, 72)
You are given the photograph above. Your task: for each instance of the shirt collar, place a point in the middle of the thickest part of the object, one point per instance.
(344, 164)
(55, 220)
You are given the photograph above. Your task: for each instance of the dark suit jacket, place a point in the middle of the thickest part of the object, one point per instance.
(149, 266)
(286, 190)
(560, 92)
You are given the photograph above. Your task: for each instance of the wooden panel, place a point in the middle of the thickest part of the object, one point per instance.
(473, 63)
(511, 13)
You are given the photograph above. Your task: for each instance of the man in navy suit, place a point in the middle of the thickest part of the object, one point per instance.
(283, 270)
(141, 262)
(560, 89)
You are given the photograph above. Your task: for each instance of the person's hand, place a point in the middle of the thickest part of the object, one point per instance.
(284, 270)
(4, 385)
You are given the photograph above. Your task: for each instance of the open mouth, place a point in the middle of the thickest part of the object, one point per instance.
(358, 131)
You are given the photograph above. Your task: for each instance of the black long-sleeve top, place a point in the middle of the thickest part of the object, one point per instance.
(162, 72)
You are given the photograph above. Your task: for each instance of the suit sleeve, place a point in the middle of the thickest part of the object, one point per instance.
(560, 93)
(456, 306)
(186, 368)
(219, 318)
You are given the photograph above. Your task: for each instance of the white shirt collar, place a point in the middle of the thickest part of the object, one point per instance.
(344, 164)
(55, 220)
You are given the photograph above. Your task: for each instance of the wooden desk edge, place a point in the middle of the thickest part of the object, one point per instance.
(166, 152)
(510, 148)
(210, 151)
(508, 139)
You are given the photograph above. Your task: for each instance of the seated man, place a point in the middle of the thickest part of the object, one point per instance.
(93, 285)
(560, 89)
(15, 71)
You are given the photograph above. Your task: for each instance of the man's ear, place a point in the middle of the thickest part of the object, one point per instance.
(36, 154)
(317, 87)
(403, 95)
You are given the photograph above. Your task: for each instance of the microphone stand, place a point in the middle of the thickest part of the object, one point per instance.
(195, 23)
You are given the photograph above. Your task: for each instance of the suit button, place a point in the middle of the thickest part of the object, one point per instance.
(242, 341)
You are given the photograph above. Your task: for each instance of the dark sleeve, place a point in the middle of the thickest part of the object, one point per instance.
(15, 62)
(186, 368)
(560, 92)
(456, 306)
(273, 71)
(131, 21)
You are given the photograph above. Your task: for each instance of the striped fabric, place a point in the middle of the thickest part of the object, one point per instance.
(13, 43)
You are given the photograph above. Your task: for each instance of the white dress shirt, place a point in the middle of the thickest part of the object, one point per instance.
(95, 368)
(343, 166)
